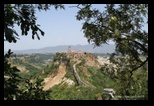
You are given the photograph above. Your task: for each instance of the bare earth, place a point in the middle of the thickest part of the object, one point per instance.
(57, 79)
(102, 60)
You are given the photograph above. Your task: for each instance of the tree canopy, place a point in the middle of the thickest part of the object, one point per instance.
(122, 24)
(23, 15)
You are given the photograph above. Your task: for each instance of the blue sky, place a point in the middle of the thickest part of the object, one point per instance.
(60, 27)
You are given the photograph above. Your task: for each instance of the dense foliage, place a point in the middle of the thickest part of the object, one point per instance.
(13, 89)
(122, 24)
(22, 15)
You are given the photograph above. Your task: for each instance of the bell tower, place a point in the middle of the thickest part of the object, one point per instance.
(69, 49)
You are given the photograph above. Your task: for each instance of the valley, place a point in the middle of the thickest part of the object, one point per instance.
(71, 75)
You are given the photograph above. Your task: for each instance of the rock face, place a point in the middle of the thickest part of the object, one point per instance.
(68, 81)
(22, 69)
(103, 60)
(50, 82)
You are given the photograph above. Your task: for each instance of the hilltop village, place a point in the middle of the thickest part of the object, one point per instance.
(74, 61)
(79, 55)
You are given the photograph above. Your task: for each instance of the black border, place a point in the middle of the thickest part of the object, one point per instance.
(86, 102)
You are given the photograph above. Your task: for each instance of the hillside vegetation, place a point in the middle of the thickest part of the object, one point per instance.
(71, 75)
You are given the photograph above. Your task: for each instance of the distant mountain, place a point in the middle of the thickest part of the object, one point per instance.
(105, 48)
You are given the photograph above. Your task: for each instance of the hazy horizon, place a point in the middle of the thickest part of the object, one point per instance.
(105, 48)
(55, 46)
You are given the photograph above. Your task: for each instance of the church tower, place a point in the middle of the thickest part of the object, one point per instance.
(69, 49)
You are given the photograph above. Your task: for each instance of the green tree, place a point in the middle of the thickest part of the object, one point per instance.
(22, 15)
(11, 79)
(123, 24)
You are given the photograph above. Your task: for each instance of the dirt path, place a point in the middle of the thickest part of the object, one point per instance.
(57, 78)
(77, 75)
